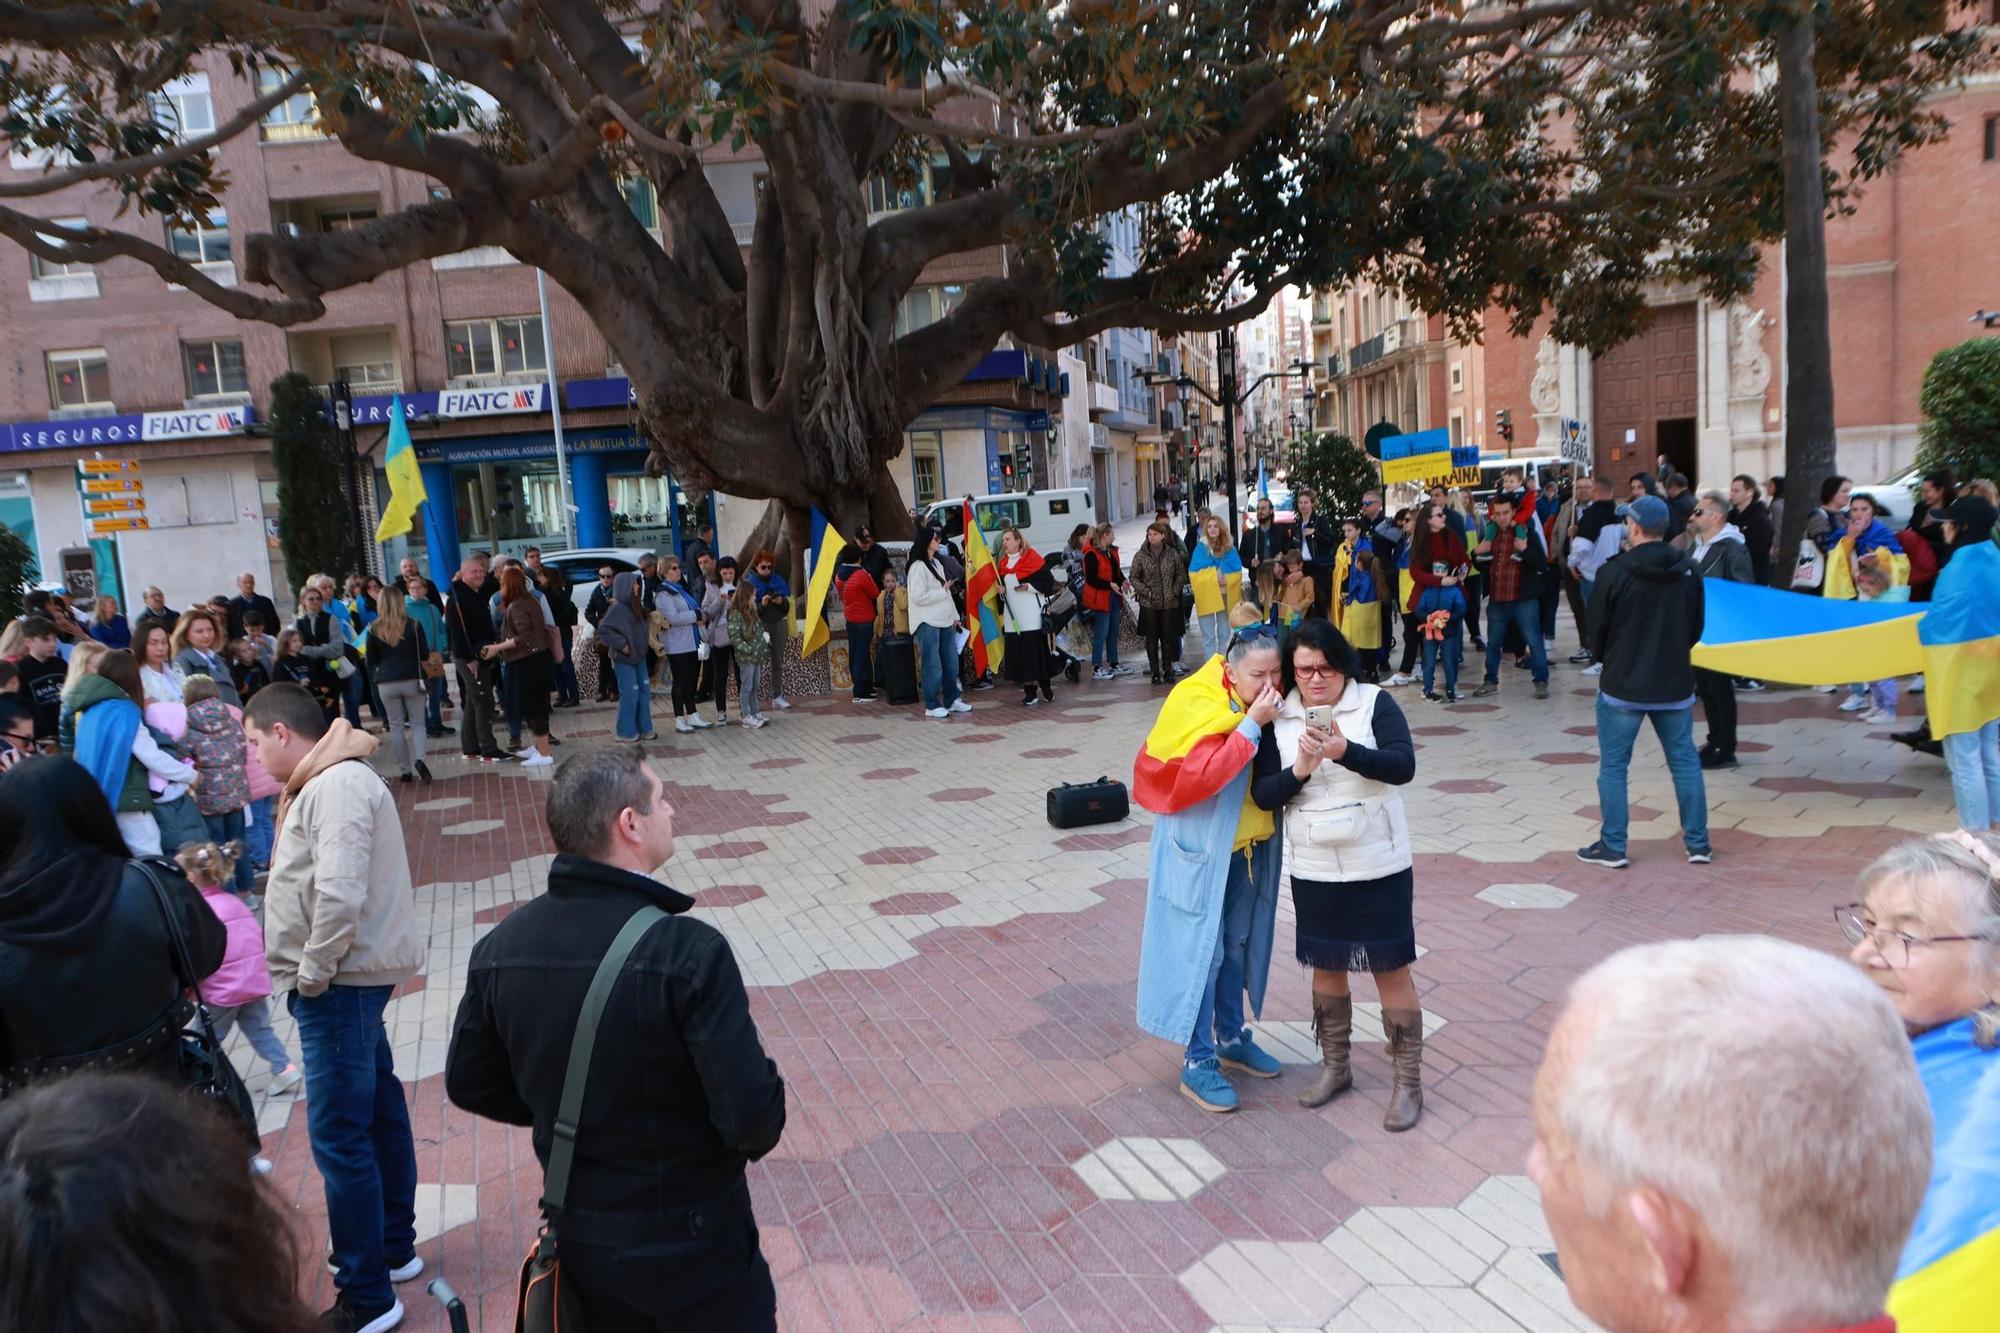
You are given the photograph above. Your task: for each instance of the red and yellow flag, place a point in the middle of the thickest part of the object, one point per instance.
(982, 599)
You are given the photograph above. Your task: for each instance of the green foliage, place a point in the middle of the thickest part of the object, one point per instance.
(1335, 469)
(18, 572)
(315, 520)
(1960, 400)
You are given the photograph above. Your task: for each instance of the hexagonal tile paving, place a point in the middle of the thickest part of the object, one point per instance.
(1543, 897)
(1271, 1285)
(1153, 1170)
(1292, 1040)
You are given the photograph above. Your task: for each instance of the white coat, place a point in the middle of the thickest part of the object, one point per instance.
(1333, 795)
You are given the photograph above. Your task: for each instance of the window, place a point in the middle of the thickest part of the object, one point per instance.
(1457, 429)
(1057, 507)
(1993, 138)
(1458, 377)
(643, 201)
(494, 347)
(367, 361)
(206, 244)
(345, 219)
(926, 465)
(214, 366)
(887, 197)
(184, 107)
(297, 117)
(997, 514)
(79, 379)
(48, 268)
(922, 306)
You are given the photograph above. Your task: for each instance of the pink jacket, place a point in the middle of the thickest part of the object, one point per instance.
(243, 976)
(262, 784)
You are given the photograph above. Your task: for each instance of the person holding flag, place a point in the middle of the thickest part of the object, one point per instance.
(1025, 578)
(406, 479)
(982, 600)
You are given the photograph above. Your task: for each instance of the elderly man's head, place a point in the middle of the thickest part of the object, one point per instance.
(155, 599)
(1729, 1133)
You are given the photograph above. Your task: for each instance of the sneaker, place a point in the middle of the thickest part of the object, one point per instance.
(649, 735)
(345, 1318)
(1713, 759)
(494, 756)
(1246, 1055)
(1522, 663)
(424, 773)
(1486, 688)
(859, 698)
(1451, 696)
(722, 719)
(1118, 670)
(1749, 686)
(1153, 679)
(406, 777)
(1432, 696)
(681, 725)
(1878, 717)
(625, 740)
(540, 761)
(1541, 689)
(1824, 689)
(286, 1079)
(1700, 858)
(983, 683)
(1854, 703)
(1578, 659)
(781, 703)
(1594, 669)
(699, 723)
(1204, 1085)
(1399, 679)
(939, 713)
(1032, 701)
(754, 723)
(403, 1272)
(1598, 854)
(960, 706)
(1102, 673)
(526, 752)
(1916, 685)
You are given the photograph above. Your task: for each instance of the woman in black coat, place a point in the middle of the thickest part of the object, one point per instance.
(87, 972)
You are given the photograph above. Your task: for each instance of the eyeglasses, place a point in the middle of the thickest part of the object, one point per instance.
(1315, 673)
(24, 739)
(1893, 945)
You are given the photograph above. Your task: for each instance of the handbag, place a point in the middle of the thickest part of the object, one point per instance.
(206, 1069)
(546, 1304)
(1810, 571)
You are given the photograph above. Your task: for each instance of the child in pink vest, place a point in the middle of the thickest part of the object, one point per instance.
(239, 990)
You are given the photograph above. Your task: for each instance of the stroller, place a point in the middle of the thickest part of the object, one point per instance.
(1069, 637)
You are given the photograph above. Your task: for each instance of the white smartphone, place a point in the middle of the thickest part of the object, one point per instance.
(1321, 716)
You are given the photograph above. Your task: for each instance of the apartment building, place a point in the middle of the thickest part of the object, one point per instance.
(1704, 384)
(109, 360)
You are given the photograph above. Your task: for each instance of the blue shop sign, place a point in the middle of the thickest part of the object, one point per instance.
(616, 391)
(127, 428)
(536, 445)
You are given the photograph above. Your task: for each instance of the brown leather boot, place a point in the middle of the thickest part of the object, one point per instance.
(1405, 1030)
(1333, 1027)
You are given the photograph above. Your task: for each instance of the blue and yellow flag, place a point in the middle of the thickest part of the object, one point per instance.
(406, 479)
(982, 598)
(1770, 635)
(1948, 1280)
(1961, 640)
(830, 544)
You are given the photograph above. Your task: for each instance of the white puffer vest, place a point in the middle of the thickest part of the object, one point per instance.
(1341, 826)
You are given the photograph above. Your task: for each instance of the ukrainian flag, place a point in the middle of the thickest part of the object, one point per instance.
(830, 544)
(1961, 643)
(406, 479)
(1770, 635)
(1217, 580)
(1948, 1280)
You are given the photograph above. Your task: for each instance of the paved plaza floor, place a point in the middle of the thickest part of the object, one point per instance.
(979, 1137)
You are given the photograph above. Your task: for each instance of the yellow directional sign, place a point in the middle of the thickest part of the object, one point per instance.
(114, 504)
(113, 486)
(104, 527)
(101, 467)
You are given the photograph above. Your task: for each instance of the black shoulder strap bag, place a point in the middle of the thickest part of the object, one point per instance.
(546, 1303)
(206, 1069)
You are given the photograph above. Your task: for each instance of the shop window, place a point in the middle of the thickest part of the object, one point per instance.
(214, 367)
(204, 245)
(297, 117)
(79, 379)
(493, 347)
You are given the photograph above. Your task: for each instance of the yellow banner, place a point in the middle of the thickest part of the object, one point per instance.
(1460, 476)
(1415, 468)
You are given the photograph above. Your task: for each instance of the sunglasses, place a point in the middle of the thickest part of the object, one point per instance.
(1252, 633)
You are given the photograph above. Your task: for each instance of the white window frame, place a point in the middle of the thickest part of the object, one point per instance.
(81, 358)
(295, 118)
(332, 220)
(175, 102)
(533, 349)
(205, 241)
(190, 349)
(52, 281)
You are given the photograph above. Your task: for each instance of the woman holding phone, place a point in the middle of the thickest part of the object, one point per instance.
(1332, 762)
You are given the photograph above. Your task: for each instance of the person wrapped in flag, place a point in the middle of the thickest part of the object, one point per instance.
(1215, 573)
(1867, 540)
(1927, 930)
(1212, 881)
(1960, 635)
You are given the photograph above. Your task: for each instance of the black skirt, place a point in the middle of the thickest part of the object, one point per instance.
(529, 680)
(1026, 660)
(1358, 925)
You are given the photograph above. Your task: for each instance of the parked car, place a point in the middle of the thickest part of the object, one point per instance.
(580, 568)
(1044, 518)
(1896, 498)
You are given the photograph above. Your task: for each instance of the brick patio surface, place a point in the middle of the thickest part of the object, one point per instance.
(979, 1138)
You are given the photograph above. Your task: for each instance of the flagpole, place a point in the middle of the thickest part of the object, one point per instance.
(555, 413)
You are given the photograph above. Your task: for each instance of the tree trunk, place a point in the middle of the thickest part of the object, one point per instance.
(1809, 442)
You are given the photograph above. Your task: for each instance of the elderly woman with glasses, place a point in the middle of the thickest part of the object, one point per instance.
(1927, 931)
(1332, 762)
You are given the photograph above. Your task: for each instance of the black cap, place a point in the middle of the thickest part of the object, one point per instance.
(1974, 515)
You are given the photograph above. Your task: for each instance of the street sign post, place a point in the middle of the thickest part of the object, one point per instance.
(113, 500)
(102, 467)
(106, 527)
(95, 505)
(112, 486)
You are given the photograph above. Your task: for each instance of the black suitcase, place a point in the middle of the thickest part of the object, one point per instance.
(1076, 804)
(896, 667)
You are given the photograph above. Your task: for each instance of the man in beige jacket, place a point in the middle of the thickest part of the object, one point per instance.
(340, 933)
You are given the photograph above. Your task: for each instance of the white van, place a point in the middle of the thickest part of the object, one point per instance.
(1045, 518)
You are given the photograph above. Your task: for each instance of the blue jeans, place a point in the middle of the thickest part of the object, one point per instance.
(359, 1127)
(1214, 633)
(1220, 1018)
(254, 1017)
(1104, 636)
(262, 833)
(1617, 730)
(937, 666)
(1524, 615)
(223, 827)
(434, 705)
(860, 660)
(352, 691)
(635, 698)
(1451, 648)
(1974, 760)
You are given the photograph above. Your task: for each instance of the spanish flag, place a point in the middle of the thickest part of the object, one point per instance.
(1960, 632)
(1948, 1280)
(1195, 749)
(406, 479)
(1784, 636)
(982, 598)
(830, 544)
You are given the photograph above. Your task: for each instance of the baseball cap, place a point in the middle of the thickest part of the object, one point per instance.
(1974, 514)
(1650, 513)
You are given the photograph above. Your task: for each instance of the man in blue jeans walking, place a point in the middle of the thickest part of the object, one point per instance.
(340, 934)
(1645, 617)
(1510, 549)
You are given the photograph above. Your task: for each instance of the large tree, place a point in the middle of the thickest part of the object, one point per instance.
(1534, 154)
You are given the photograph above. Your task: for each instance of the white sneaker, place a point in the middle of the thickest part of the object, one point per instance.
(781, 703)
(528, 752)
(681, 725)
(1102, 673)
(960, 706)
(1916, 685)
(1399, 678)
(286, 1079)
(699, 723)
(1877, 717)
(1824, 689)
(939, 713)
(1594, 669)
(1854, 703)
(722, 719)
(540, 761)
(754, 722)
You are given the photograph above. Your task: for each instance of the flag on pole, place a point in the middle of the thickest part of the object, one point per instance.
(830, 544)
(406, 479)
(982, 598)
(1263, 482)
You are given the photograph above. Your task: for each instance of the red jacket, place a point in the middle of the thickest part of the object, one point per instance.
(1447, 547)
(857, 597)
(1101, 574)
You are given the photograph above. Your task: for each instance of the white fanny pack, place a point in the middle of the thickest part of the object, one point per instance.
(1337, 825)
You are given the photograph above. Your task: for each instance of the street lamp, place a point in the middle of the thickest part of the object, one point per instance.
(1228, 398)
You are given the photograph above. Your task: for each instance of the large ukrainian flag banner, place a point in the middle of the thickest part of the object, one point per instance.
(1961, 636)
(1948, 1280)
(406, 479)
(1770, 635)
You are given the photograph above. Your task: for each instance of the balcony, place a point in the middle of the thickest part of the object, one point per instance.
(1104, 399)
(1322, 311)
(1364, 354)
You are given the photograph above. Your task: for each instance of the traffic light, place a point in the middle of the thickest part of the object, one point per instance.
(1024, 462)
(1504, 421)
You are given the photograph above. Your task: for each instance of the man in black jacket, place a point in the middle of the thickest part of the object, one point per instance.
(249, 600)
(657, 1230)
(1645, 618)
(1318, 543)
(562, 605)
(1752, 518)
(1267, 539)
(468, 623)
(157, 612)
(1719, 552)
